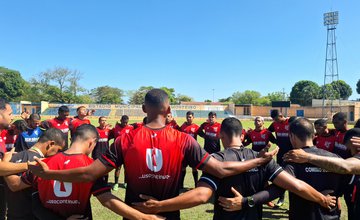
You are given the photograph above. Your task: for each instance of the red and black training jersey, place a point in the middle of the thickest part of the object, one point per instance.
(76, 122)
(2, 143)
(64, 198)
(210, 133)
(326, 142)
(173, 124)
(118, 130)
(356, 194)
(102, 144)
(191, 129)
(9, 139)
(340, 148)
(281, 130)
(153, 160)
(259, 139)
(62, 125)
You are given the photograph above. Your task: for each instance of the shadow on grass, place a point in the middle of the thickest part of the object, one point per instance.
(275, 213)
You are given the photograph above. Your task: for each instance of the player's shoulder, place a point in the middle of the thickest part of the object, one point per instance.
(320, 152)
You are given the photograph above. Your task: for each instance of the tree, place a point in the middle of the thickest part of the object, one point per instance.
(358, 87)
(171, 94)
(327, 91)
(228, 99)
(276, 96)
(207, 100)
(183, 98)
(303, 92)
(247, 97)
(108, 95)
(12, 85)
(343, 89)
(137, 97)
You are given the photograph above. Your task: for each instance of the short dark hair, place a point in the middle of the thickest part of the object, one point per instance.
(354, 132)
(124, 117)
(274, 113)
(3, 104)
(84, 132)
(212, 113)
(34, 116)
(341, 116)
(21, 125)
(302, 128)
(101, 117)
(231, 126)
(321, 122)
(190, 113)
(63, 108)
(357, 124)
(292, 118)
(156, 98)
(53, 134)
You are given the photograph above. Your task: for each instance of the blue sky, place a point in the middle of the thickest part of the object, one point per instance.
(193, 46)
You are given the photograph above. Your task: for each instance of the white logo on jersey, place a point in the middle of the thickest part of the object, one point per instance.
(263, 136)
(192, 129)
(153, 135)
(67, 162)
(57, 189)
(154, 159)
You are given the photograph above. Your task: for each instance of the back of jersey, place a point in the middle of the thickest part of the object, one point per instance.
(65, 198)
(320, 179)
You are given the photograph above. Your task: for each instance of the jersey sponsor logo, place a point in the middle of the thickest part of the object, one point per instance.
(62, 189)
(315, 170)
(36, 132)
(154, 176)
(283, 134)
(211, 134)
(253, 170)
(31, 139)
(263, 136)
(154, 159)
(259, 143)
(327, 144)
(103, 140)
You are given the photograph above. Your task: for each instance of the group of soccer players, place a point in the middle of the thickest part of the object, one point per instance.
(155, 154)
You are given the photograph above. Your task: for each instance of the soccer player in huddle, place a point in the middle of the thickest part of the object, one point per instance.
(340, 123)
(62, 122)
(189, 127)
(120, 128)
(338, 165)
(210, 131)
(28, 138)
(246, 183)
(79, 119)
(18, 194)
(260, 136)
(159, 151)
(170, 121)
(324, 137)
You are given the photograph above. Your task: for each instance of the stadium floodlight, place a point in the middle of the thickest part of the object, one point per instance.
(331, 18)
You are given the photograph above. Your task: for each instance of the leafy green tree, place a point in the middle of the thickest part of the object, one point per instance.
(327, 91)
(276, 96)
(171, 94)
(342, 88)
(183, 98)
(228, 99)
(303, 92)
(137, 97)
(108, 95)
(207, 100)
(12, 85)
(246, 97)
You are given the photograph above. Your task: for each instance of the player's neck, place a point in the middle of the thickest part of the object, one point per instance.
(156, 122)
(259, 129)
(303, 144)
(39, 148)
(76, 148)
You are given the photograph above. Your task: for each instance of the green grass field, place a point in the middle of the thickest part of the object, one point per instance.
(201, 212)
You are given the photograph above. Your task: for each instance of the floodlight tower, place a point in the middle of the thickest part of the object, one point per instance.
(331, 19)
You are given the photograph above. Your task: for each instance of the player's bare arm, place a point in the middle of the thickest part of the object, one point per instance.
(119, 207)
(82, 174)
(225, 169)
(15, 184)
(285, 181)
(200, 195)
(332, 164)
